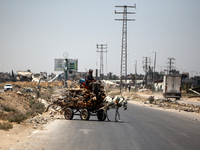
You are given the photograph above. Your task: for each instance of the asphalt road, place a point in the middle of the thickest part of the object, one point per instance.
(141, 128)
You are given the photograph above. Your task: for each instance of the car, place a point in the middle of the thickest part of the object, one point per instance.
(8, 87)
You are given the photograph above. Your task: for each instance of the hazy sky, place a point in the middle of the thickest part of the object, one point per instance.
(35, 32)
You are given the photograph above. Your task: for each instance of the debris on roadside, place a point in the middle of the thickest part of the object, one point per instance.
(172, 104)
(38, 120)
(196, 91)
(149, 100)
(29, 89)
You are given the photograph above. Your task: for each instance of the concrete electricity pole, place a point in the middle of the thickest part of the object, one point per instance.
(101, 48)
(123, 70)
(135, 72)
(152, 51)
(146, 65)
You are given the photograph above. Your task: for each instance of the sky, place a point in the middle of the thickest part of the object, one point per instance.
(35, 32)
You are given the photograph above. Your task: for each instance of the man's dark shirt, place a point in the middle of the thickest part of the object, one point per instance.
(88, 77)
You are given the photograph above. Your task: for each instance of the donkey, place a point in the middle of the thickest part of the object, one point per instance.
(115, 103)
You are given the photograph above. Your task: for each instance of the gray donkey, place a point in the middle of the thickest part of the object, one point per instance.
(115, 103)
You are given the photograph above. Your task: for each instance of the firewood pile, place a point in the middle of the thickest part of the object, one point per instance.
(78, 94)
(82, 94)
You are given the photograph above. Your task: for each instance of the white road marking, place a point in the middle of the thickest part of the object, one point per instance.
(85, 131)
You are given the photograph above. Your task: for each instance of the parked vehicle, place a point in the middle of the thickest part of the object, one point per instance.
(8, 87)
(172, 86)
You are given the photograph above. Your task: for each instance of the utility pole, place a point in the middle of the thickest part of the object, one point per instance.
(101, 48)
(65, 55)
(170, 64)
(106, 63)
(135, 71)
(123, 70)
(146, 64)
(154, 72)
(135, 74)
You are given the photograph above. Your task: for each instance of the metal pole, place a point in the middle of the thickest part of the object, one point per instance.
(154, 71)
(123, 68)
(152, 51)
(101, 47)
(65, 72)
(135, 74)
(135, 67)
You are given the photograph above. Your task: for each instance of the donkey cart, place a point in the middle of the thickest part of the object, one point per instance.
(84, 102)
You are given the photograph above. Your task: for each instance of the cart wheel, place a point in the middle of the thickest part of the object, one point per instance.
(69, 114)
(85, 114)
(101, 115)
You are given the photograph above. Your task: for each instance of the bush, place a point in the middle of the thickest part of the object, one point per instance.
(5, 126)
(17, 117)
(47, 94)
(3, 116)
(31, 113)
(38, 95)
(8, 109)
(31, 102)
(37, 106)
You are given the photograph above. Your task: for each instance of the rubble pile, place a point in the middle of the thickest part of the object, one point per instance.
(38, 120)
(196, 91)
(170, 104)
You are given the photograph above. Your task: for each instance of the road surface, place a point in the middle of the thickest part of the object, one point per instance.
(142, 128)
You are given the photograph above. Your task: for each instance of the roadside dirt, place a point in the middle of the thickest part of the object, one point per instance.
(12, 102)
(26, 84)
(21, 133)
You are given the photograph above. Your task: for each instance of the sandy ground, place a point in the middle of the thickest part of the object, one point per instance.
(21, 134)
(10, 139)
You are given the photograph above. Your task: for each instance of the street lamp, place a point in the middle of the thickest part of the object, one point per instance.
(152, 51)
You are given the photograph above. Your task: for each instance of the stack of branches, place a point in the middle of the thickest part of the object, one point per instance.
(74, 95)
(97, 93)
(79, 94)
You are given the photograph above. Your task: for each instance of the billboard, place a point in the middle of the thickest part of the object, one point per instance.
(71, 64)
(59, 65)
